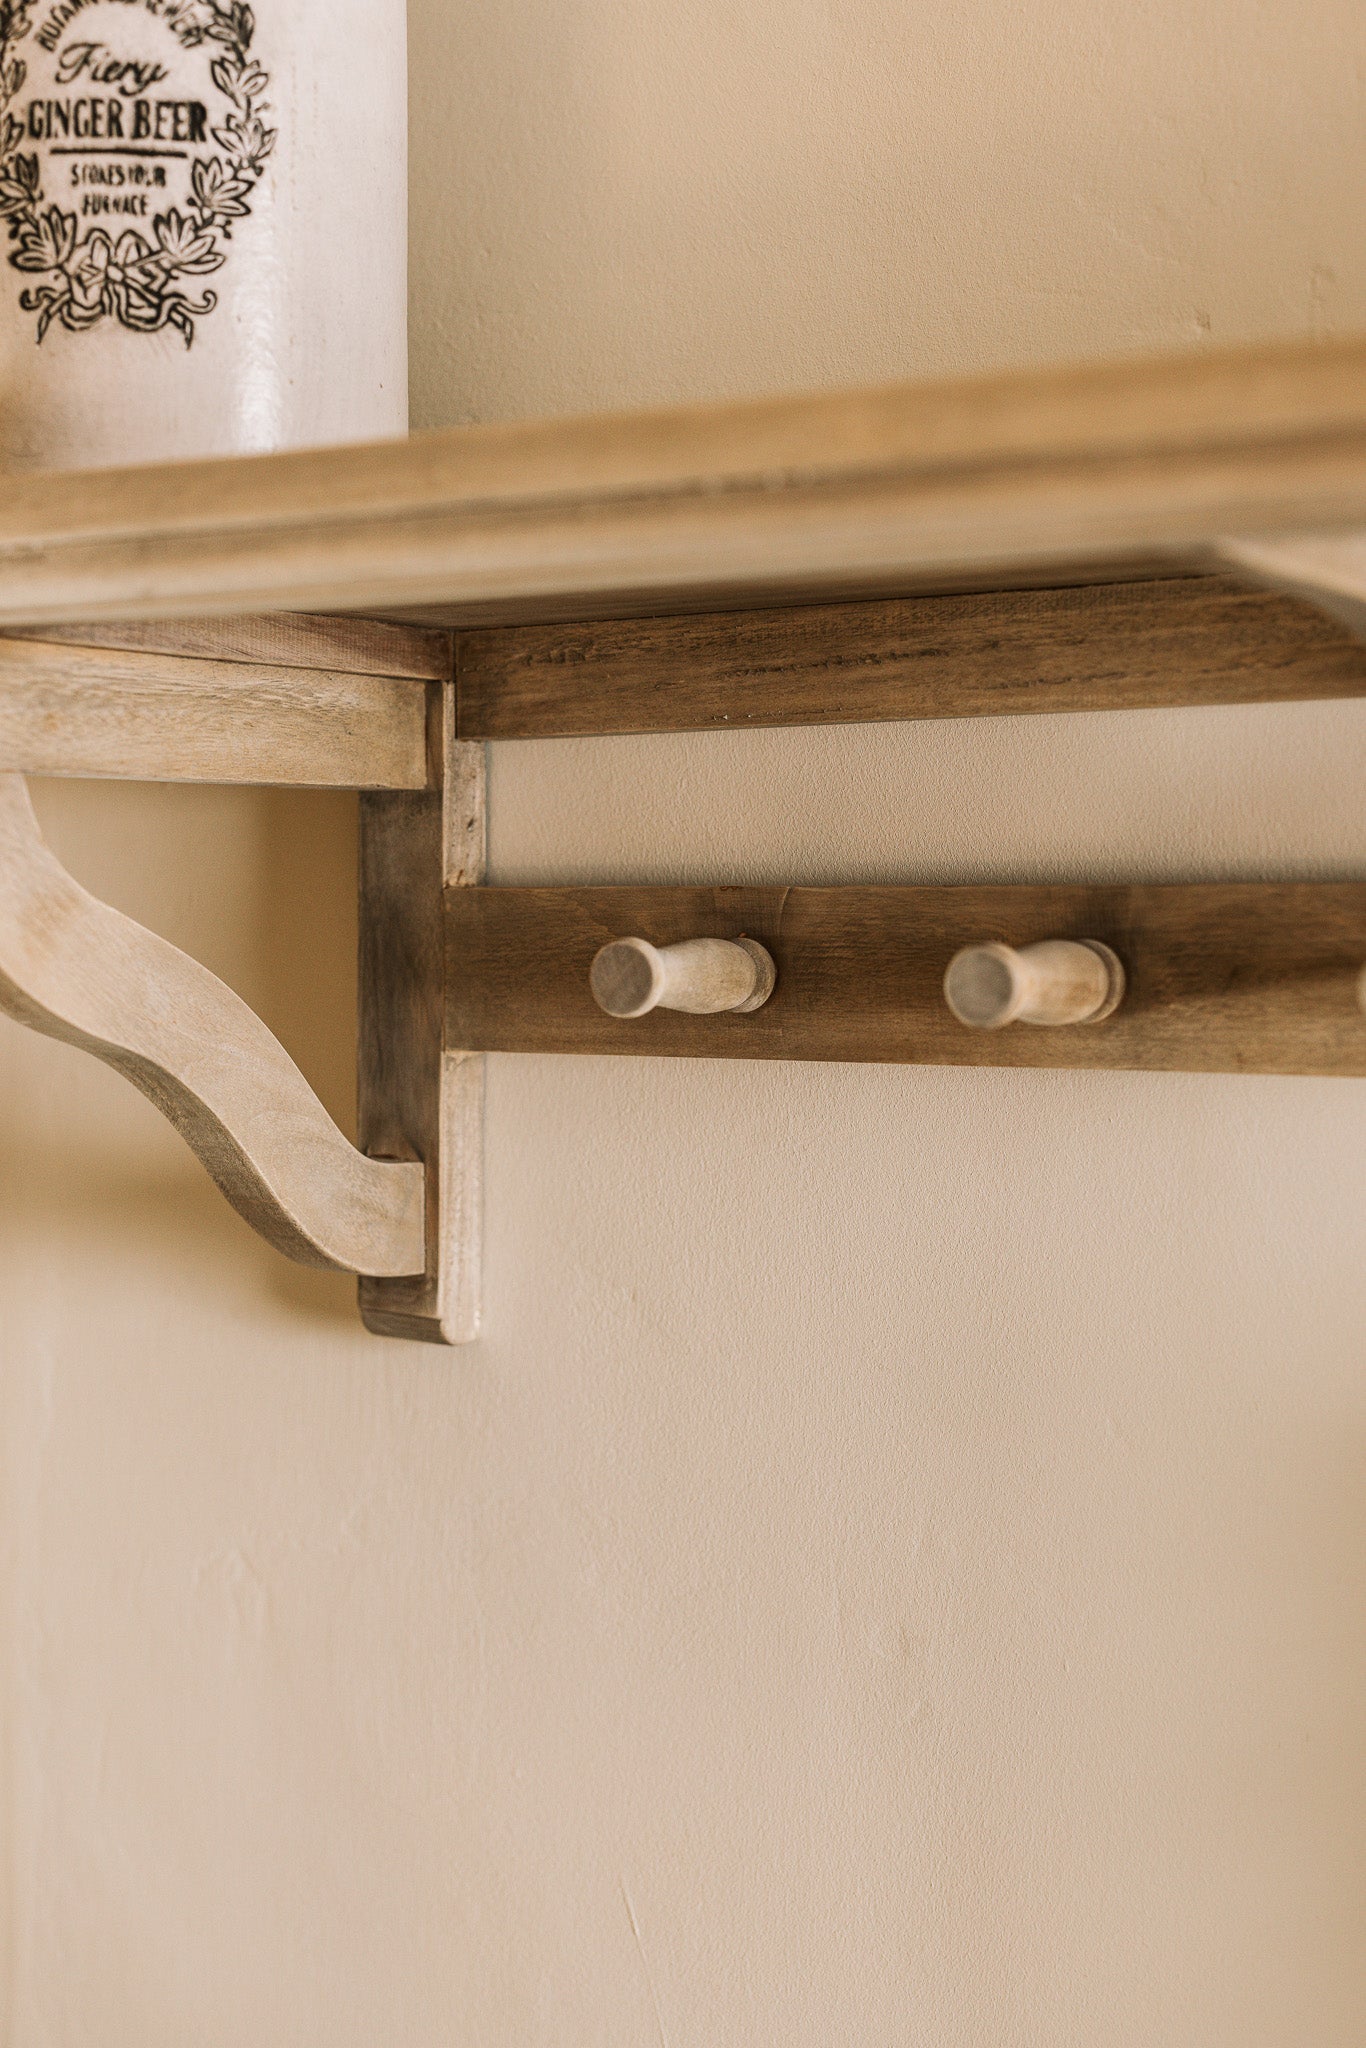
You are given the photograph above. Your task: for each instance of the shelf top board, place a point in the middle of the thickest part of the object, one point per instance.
(1124, 469)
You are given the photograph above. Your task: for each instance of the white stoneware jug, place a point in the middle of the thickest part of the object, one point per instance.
(206, 215)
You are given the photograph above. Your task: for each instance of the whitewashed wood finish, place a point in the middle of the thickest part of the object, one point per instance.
(1124, 467)
(83, 711)
(460, 1306)
(73, 969)
(346, 646)
(460, 1213)
(1055, 982)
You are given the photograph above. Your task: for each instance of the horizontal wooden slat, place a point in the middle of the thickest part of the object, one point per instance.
(1186, 640)
(1223, 977)
(83, 711)
(344, 646)
(988, 482)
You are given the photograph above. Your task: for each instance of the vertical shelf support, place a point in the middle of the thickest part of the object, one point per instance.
(421, 1097)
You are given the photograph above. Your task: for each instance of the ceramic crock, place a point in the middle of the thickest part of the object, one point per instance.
(204, 207)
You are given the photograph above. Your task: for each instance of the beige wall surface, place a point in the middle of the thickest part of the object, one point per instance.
(895, 1568)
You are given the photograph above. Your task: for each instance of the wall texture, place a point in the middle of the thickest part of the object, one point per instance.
(894, 1569)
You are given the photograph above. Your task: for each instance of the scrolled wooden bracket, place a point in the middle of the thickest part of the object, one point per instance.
(289, 701)
(73, 969)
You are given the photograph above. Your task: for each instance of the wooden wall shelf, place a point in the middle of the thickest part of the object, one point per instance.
(1186, 531)
(1055, 477)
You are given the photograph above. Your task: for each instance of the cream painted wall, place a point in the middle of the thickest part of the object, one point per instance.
(894, 1570)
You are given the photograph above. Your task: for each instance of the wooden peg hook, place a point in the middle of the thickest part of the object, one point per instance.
(1060, 981)
(704, 977)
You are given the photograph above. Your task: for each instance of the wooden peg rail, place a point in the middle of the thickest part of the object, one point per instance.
(1189, 531)
(1229, 977)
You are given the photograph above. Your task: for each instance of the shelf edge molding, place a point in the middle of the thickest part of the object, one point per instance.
(1035, 476)
(72, 968)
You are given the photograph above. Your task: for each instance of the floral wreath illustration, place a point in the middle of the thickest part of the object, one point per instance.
(139, 283)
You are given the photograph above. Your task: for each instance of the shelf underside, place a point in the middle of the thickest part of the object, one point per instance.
(344, 704)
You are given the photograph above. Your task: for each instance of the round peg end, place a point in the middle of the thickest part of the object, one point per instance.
(985, 988)
(1060, 981)
(703, 977)
(628, 978)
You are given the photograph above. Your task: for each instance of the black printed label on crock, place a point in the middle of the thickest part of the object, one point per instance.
(133, 135)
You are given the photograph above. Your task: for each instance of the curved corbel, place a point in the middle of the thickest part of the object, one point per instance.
(72, 968)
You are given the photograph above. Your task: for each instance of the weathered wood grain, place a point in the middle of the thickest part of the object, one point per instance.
(1222, 977)
(1108, 647)
(344, 646)
(73, 969)
(987, 482)
(421, 1095)
(82, 711)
